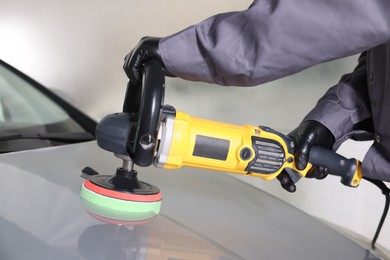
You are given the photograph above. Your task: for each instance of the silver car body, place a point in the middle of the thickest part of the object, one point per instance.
(204, 215)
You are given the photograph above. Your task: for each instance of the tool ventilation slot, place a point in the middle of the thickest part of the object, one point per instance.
(269, 156)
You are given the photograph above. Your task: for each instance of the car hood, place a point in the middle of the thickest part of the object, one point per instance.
(204, 215)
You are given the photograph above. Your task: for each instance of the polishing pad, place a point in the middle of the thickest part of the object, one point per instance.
(135, 204)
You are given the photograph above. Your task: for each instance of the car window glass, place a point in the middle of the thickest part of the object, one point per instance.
(22, 103)
(24, 108)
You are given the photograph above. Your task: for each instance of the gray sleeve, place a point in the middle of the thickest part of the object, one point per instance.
(341, 110)
(274, 38)
(344, 105)
(375, 165)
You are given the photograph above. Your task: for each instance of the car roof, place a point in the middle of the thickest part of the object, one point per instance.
(204, 215)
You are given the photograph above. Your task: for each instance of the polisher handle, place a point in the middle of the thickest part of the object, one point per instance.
(146, 102)
(348, 169)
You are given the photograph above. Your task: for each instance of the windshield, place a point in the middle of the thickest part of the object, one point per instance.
(24, 109)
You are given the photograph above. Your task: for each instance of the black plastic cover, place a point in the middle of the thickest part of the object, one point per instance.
(113, 131)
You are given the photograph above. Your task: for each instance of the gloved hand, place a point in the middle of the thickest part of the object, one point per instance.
(146, 49)
(306, 135)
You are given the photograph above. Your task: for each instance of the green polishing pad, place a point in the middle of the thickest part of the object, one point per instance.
(118, 206)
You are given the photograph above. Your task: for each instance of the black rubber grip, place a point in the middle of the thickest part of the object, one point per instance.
(337, 164)
(152, 97)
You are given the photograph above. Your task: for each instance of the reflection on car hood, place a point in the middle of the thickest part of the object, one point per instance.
(204, 215)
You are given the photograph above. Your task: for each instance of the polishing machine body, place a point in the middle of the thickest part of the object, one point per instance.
(258, 151)
(150, 132)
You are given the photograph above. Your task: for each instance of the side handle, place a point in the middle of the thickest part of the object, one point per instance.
(348, 169)
(150, 106)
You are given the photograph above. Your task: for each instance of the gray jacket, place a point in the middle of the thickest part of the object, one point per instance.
(276, 38)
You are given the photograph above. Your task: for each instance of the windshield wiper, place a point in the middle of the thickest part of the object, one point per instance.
(65, 137)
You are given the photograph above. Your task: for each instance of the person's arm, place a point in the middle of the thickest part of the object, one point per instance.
(343, 112)
(345, 108)
(273, 39)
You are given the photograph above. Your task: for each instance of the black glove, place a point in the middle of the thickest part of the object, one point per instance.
(306, 135)
(147, 49)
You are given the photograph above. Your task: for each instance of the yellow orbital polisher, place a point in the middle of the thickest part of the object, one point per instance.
(148, 132)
